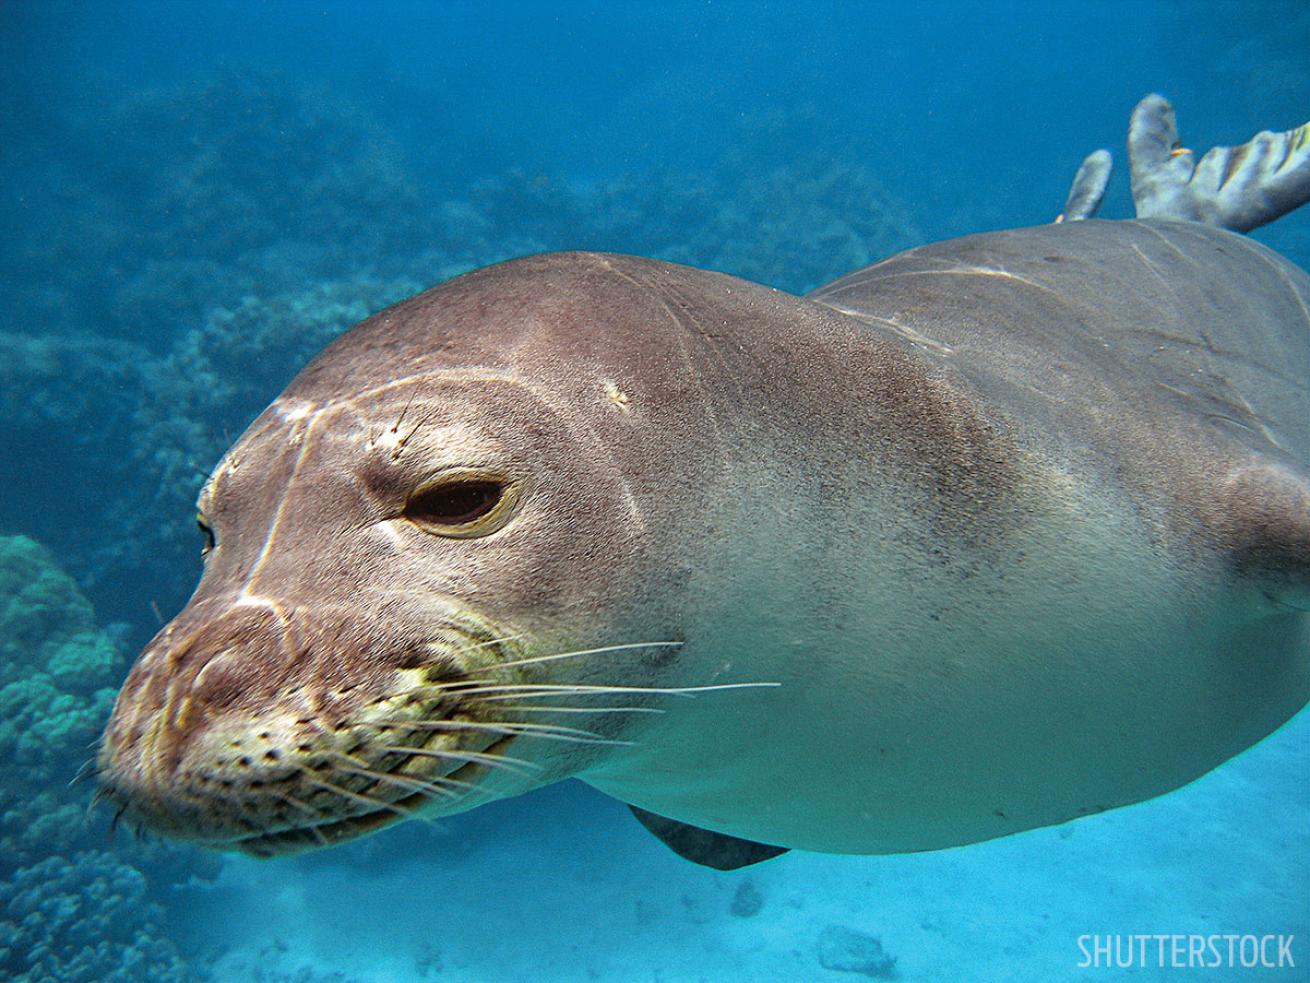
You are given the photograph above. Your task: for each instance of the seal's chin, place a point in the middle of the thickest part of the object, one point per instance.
(301, 839)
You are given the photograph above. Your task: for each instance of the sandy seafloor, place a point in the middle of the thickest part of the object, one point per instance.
(563, 885)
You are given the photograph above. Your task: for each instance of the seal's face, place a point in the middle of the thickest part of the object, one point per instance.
(451, 559)
(384, 586)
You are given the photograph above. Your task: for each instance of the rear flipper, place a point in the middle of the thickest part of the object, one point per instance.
(1238, 188)
(1088, 188)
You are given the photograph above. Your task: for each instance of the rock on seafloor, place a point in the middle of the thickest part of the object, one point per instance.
(846, 950)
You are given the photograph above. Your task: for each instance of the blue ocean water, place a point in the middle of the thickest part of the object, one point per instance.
(196, 197)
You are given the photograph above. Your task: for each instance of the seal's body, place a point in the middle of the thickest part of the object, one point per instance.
(991, 535)
(1006, 542)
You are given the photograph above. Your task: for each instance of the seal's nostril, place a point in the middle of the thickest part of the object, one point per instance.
(225, 678)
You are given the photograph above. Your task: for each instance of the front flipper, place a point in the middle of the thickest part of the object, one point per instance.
(1238, 188)
(701, 846)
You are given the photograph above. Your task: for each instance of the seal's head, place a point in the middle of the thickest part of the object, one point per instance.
(415, 553)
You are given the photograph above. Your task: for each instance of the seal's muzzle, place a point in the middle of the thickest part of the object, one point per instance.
(258, 726)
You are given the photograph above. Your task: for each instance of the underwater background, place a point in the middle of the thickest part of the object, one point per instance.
(196, 197)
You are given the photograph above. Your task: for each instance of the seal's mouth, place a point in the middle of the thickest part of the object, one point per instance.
(331, 797)
(332, 832)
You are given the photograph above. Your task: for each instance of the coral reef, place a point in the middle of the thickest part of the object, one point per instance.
(85, 919)
(68, 404)
(69, 910)
(121, 439)
(792, 227)
(177, 196)
(56, 674)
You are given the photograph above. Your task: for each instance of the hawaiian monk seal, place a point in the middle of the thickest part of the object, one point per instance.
(993, 534)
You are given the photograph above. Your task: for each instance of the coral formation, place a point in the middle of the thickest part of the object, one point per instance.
(793, 228)
(122, 439)
(56, 678)
(181, 195)
(84, 919)
(69, 910)
(67, 405)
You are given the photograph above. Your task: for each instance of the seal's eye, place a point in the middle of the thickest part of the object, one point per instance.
(207, 531)
(462, 504)
(457, 503)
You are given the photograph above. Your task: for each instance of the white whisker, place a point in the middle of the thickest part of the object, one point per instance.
(556, 731)
(509, 690)
(524, 708)
(475, 757)
(414, 785)
(447, 783)
(250, 817)
(368, 800)
(626, 647)
(370, 772)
